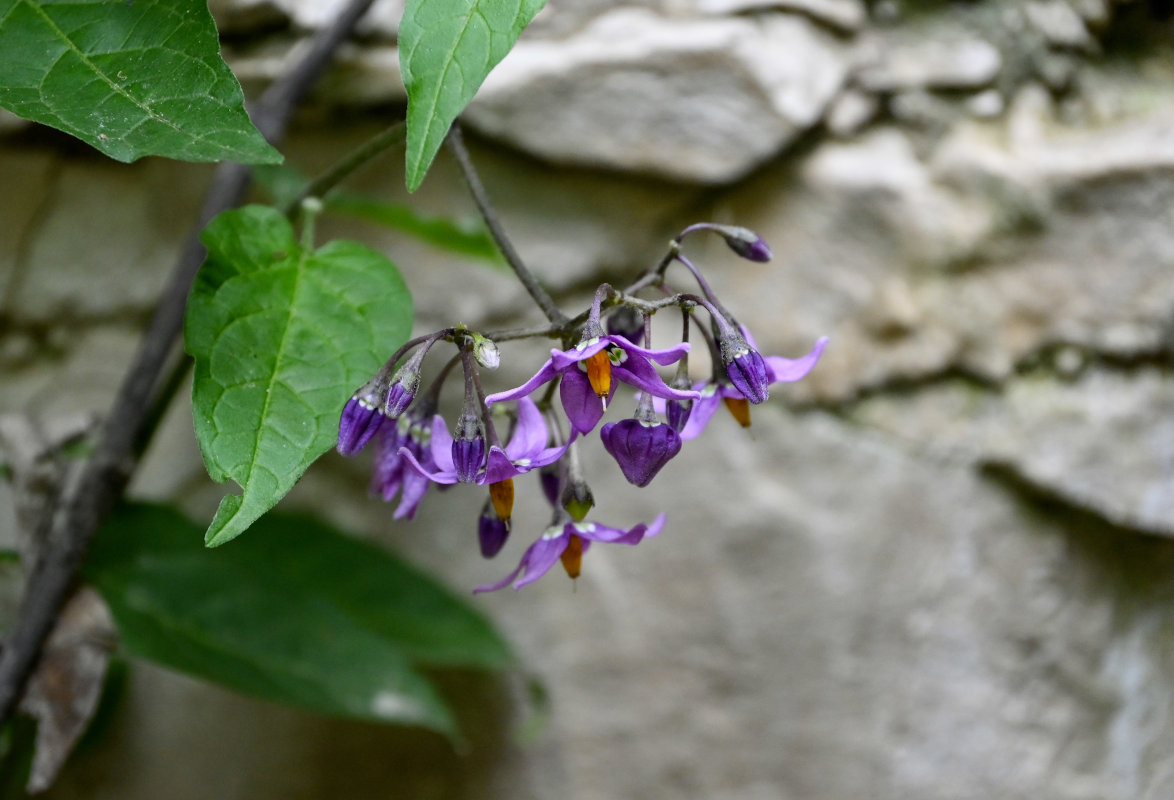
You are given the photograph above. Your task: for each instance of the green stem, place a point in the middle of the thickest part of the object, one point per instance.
(347, 165)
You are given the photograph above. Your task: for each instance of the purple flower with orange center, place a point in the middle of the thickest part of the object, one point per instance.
(776, 369)
(590, 371)
(567, 543)
(527, 450)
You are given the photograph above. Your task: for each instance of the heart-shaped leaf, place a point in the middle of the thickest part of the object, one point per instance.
(282, 335)
(130, 78)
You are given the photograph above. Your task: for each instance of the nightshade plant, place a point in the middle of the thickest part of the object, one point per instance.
(586, 371)
(280, 330)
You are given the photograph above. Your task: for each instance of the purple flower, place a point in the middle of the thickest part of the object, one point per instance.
(640, 447)
(526, 450)
(361, 419)
(587, 370)
(746, 368)
(778, 370)
(568, 542)
(409, 434)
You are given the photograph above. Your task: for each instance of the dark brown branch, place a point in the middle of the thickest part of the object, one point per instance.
(97, 486)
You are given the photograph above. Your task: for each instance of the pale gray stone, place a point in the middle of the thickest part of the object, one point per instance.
(697, 100)
(986, 104)
(851, 111)
(1058, 22)
(100, 247)
(1104, 440)
(933, 60)
(844, 15)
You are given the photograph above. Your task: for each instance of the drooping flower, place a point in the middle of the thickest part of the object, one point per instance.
(568, 542)
(641, 445)
(526, 450)
(713, 393)
(410, 434)
(589, 371)
(361, 417)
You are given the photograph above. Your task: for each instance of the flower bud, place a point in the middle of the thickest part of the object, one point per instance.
(746, 368)
(678, 411)
(361, 418)
(486, 352)
(550, 477)
(745, 242)
(577, 499)
(640, 448)
(468, 448)
(627, 322)
(492, 531)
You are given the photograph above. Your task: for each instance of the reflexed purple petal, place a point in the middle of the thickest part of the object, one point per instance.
(530, 434)
(543, 555)
(670, 355)
(440, 445)
(415, 487)
(583, 407)
(594, 531)
(543, 375)
(636, 371)
(703, 411)
(785, 370)
(747, 371)
(640, 450)
(563, 360)
(412, 463)
(359, 422)
(499, 467)
(536, 561)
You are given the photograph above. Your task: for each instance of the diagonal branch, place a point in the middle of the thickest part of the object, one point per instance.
(92, 490)
(456, 143)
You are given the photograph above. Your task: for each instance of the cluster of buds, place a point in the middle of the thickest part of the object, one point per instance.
(607, 345)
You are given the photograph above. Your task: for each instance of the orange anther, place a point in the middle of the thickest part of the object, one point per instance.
(572, 557)
(599, 373)
(502, 495)
(740, 409)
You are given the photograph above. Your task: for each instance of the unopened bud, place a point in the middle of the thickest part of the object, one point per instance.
(577, 499)
(745, 242)
(485, 351)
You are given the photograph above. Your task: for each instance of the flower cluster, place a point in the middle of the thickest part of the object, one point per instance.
(415, 447)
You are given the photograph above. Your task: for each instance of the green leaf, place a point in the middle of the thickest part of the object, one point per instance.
(446, 48)
(130, 78)
(467, 238)
(282, 336)
(295, 613)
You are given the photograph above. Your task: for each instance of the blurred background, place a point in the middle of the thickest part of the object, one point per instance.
(939, 567)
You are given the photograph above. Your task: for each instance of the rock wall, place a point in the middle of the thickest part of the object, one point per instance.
(938, 568)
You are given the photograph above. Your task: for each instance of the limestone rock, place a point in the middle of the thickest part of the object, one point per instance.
(1103, 440)
(844, 15)
(932, 60)
(696, 100)
(1058, 22)
(851, 111)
